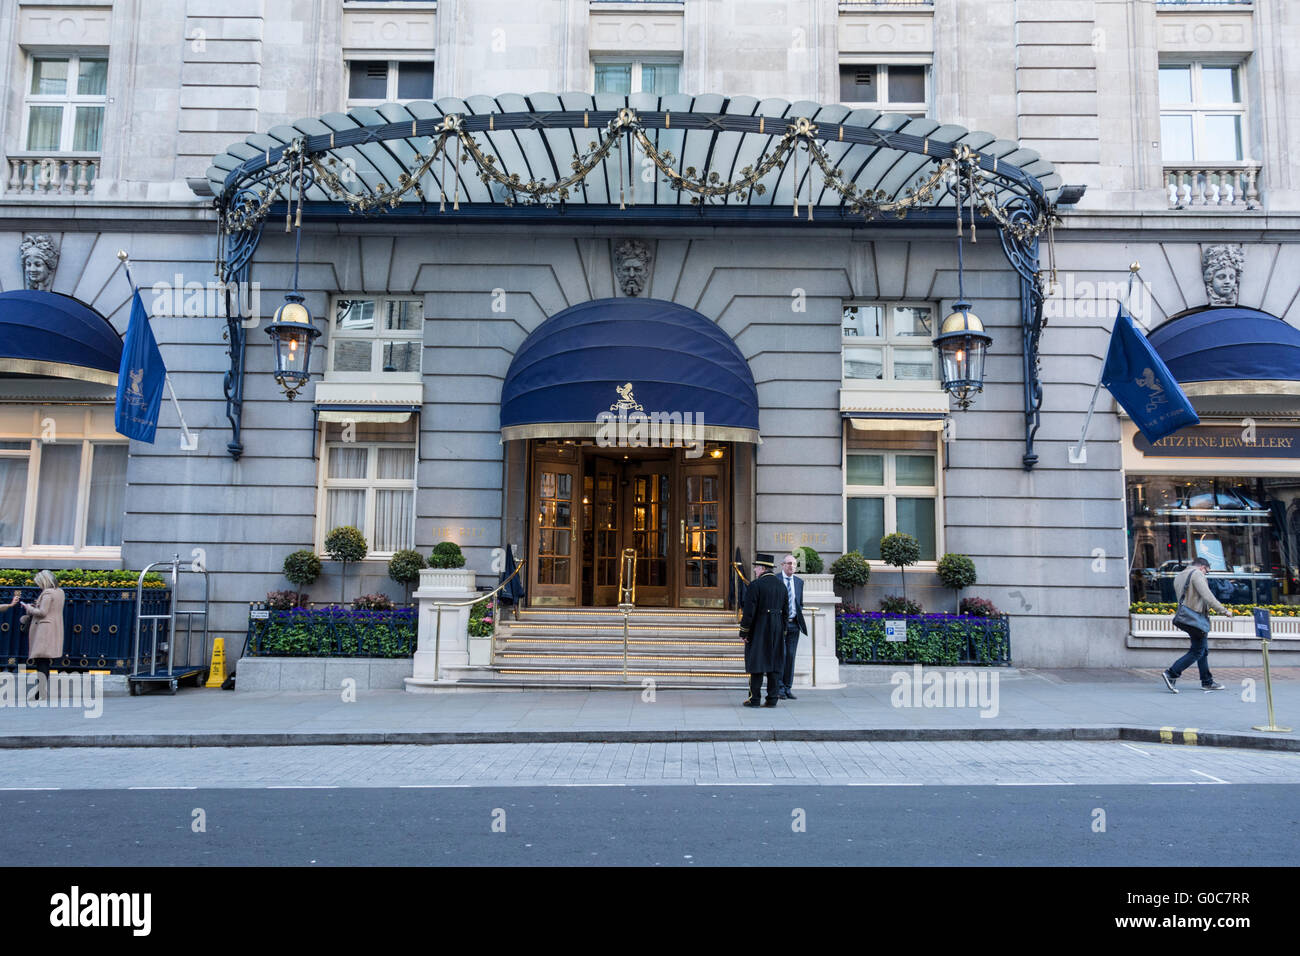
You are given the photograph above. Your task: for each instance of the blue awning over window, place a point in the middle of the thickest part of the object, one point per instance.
(50, 334)
(580, 362)
(1229, 345)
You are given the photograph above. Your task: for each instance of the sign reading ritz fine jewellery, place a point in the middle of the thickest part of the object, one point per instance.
(1223, 441)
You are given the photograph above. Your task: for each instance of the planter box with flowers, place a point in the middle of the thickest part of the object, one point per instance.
(1157, 620)
(481, 630)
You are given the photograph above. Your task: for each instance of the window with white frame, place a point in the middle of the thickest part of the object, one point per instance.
(65, 104)
(368, 482)
(891, 485)
(647, 75)
(62, 482)
(888, 87)
(375, 82)
(1202, 112)
(888, 342)
(375, 338)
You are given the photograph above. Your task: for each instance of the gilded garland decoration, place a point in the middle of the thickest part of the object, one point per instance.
(297, 170)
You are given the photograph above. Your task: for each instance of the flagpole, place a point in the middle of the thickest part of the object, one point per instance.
(189, 440)
(1079, 452)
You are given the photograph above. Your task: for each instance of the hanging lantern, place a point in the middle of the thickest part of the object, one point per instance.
(962, 344)
(292, 332)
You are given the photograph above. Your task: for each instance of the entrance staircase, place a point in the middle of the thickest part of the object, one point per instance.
(583, 647)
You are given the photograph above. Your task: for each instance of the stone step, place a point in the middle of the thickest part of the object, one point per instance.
(613, 660)
(576, 673)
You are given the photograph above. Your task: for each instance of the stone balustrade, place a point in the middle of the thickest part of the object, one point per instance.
(1223, 186)
(47, 176)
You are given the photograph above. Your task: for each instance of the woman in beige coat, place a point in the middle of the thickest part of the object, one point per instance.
(45, 639)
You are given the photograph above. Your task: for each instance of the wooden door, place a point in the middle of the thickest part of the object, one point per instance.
(648, 527)
(704, 524)
(555, 539)
(607, 523)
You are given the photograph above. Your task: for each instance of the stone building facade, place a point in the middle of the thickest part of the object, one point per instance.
(147, 94)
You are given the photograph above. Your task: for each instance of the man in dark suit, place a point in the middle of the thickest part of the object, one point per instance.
(794, 623)
(762, 625)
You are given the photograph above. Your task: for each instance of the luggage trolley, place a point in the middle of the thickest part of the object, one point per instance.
(180, 666)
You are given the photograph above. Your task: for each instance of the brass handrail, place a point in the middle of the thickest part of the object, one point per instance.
(626, 595)
(439, 605)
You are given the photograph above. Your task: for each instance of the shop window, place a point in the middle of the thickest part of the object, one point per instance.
(375, 82)
(65, 104)
(888, 87)
(623, 77)
(62, 488)
(1202, 113)
(888, 490)
(1247, 528)
(375, 338)
(888, 343)
(368, 481)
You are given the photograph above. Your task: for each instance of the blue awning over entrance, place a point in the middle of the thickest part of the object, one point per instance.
(51, 334)
(643, 355)
(1235, 348)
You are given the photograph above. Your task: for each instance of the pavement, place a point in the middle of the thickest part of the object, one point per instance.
(876, 704)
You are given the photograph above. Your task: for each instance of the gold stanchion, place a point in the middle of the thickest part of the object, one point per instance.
(626, 595)
(1264, 629)
(813, 638)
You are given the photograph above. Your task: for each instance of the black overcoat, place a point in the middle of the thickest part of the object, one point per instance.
(763, 624)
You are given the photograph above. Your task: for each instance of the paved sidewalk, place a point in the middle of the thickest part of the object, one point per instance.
(1023, 705)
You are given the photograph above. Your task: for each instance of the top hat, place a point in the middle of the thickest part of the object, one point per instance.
(764, 560)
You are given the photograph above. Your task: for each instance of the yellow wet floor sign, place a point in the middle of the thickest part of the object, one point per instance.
(217, 673)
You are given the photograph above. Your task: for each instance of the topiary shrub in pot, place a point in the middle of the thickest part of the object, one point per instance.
(851, 572)
(900, 550)
(956, 571)
(404, 568)
(345, 544)
(447, 554)
(302, 568)
(808, 560)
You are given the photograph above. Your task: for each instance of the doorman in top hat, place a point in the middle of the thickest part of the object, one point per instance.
(794, 622)
(766, 608)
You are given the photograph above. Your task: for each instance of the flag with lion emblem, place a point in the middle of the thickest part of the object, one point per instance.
(140, 378)
(1143, 384)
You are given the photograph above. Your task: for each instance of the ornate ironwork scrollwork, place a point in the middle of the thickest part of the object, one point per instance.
(1021, 247)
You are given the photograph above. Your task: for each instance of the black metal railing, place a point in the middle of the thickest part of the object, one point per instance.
(98, 627)
(944, 639)
(331, 632)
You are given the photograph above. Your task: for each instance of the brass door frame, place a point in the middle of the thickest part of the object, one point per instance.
(721, 469)
(562, 460)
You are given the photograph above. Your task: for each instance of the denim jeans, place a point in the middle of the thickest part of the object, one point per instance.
(1198, 653)
(791, 647)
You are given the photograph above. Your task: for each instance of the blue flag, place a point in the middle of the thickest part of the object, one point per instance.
(1143, 384)
(140, 378)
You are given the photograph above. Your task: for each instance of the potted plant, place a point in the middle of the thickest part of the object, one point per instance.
(302, 568)
(345, 544)
(447, 568)
(957, 571)
(810, 567)
(480, 630)
(900, 550)
(850, 572)
(405, 567)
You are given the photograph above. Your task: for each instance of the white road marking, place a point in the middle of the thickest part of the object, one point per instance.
(1035, 783)
(304, 787)
(30, 788)
(162, 788)
(1211, 776)
(431, 786)
(1135, 749)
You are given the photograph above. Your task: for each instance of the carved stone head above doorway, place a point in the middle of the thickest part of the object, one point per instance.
(632, 265)
(1221, 268)
(39, 255)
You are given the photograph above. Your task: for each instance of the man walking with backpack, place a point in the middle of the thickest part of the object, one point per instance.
(1194, 594)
